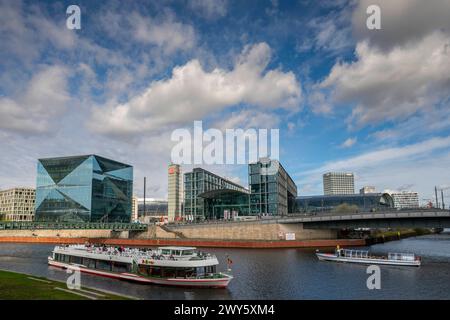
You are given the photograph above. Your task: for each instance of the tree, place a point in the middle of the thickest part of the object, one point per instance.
(346, 208)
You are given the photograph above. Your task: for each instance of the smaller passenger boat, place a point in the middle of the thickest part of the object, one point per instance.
(363, 257)
(173, 266)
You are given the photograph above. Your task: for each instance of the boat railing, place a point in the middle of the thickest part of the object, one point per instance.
(402, 256)
(135, 253)
(355, 253)
(176, 258)
(104, 250)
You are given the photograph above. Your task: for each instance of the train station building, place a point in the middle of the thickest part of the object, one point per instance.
(209, 196)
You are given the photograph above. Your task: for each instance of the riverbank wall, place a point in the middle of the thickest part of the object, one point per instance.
(191, 242)
(254, 234)
(255, 230)
(386, 236)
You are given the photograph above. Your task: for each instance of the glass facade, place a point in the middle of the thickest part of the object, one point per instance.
(226, 203)
(200, 181)
(271, 194)
(364, 202)
(83, 188)
(152, 208)
(209, 196)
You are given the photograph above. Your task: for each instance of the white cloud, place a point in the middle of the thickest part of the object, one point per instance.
(193, 93)
(168, 34)
(399, 72)
(44, 98)
(393, 85)
(329, 33)
(209, 9)
(387, 155)
(245, 119)
(402, 21)
(418, 166)
(349, 142)
(319, 103)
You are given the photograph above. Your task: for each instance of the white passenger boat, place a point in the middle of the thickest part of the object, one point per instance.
(363, 257)
(174, 266)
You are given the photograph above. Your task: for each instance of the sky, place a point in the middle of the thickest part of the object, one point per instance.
(344, 98)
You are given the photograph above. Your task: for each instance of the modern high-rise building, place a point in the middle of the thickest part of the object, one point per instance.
(405, 199)
(336, 183)
(134, 209)
(174, 192)
(272, 193)
(85, 188)
(207, 195)
(367, 189)
(17, 204)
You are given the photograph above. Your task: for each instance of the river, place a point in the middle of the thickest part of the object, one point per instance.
(277, 273)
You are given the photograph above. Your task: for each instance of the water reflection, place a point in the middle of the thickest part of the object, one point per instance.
(278, 274)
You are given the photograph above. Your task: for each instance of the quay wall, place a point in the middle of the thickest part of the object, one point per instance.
(265, 230)
(261, 234)
(268, 231)
(191, 242)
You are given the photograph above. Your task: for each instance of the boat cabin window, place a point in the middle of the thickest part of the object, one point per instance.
(121, 267)
(103, 265)
(175, 252)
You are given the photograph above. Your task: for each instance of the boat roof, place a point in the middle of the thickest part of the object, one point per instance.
(178, 248)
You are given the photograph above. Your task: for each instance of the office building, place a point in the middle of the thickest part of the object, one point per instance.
(207, 195)
(134, 209)
(174, 192)
(336, 183)
(17, 204)
(153, 207)
(272, 193)
(367, 189)
(155, 210)
(85, 188)
(405, 199)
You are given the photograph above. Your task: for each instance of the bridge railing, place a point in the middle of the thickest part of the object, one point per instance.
(367, 215)
(38, 225)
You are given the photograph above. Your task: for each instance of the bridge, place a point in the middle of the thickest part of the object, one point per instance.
(390, 219)
(38, 225)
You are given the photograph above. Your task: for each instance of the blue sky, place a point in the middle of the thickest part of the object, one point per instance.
(375, 102)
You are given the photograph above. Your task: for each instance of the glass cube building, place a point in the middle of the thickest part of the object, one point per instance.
(85, 188)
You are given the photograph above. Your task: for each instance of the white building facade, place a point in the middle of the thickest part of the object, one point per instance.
(405, 200)
(336, 183)
(134, 209)
(367, 189)
(17, 204)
